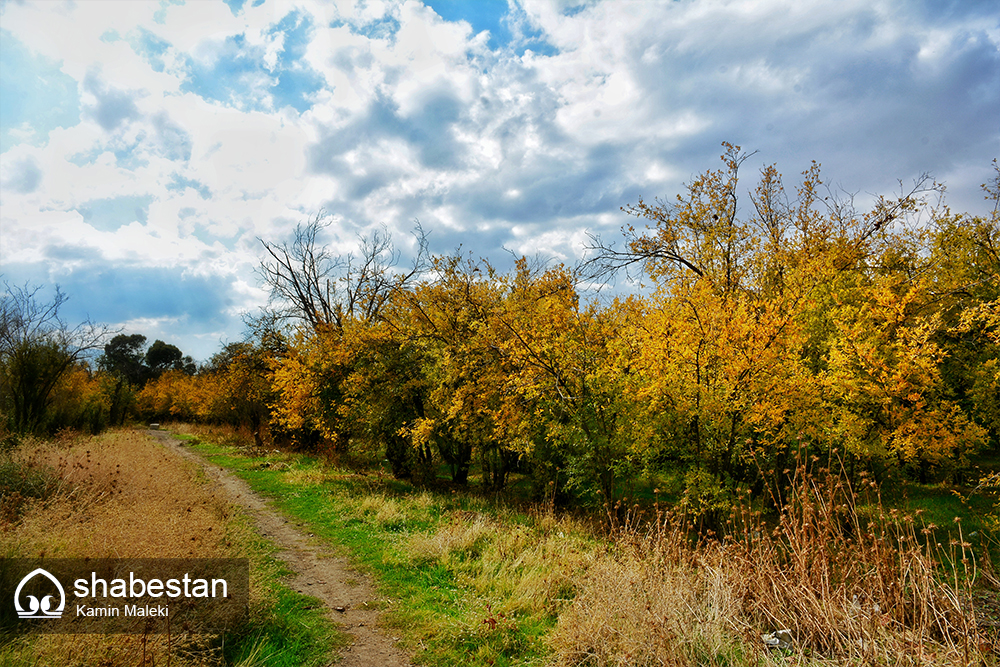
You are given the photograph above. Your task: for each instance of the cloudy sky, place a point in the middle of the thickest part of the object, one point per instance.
(147, 145)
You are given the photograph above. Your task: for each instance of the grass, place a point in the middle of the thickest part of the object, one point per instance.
(122, 495)
(464, 581)
(468, 581)
(286, 628)
(19, 485)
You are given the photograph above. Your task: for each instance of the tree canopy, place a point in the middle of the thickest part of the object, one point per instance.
(778, 322)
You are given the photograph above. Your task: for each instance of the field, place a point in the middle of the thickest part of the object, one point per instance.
(463, 578)
(121, 495)
(477, 581)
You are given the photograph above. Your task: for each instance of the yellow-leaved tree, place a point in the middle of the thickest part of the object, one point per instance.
(783, 324)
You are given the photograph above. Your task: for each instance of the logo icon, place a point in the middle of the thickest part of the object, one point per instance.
(39, 608)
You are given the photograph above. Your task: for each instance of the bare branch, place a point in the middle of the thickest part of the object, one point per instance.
(36, 349)
(323, 290)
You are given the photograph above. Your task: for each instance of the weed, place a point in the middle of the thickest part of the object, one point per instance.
(851, 588)
(20, 483)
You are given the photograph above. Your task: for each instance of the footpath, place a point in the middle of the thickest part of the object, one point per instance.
(349, 596)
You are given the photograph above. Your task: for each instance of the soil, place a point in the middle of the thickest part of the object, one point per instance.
(349, 596)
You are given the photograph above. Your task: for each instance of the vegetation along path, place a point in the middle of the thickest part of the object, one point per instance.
(346, 593)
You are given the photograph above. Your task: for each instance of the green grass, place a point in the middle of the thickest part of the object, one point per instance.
(439, 606)
(286, 628)
(952, 515)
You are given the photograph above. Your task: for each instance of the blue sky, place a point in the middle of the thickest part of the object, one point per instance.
(146, 146)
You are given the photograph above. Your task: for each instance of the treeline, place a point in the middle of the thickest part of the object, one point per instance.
(790, 324)
(53, 377)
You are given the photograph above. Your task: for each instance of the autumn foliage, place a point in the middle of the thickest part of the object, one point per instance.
(775, 325)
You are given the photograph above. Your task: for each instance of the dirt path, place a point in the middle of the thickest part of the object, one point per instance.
(347, 594)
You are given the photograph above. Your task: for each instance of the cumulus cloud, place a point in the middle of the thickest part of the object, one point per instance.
(111, 106)
(499, 125)
(22, 175)
(38, 97)
(172, 141)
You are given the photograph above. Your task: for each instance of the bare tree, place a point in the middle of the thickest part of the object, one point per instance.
(36, 348)
(309, 283)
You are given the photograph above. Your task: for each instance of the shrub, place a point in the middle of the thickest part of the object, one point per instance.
(20, 482)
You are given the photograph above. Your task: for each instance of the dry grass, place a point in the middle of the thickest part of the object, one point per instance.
(523, 569)
(120, 495)
(465, 532)
(852, 585)
(383, 510)
(117, 495)
(311, 477)
(851, 590)
(392, 512)
(629, 612)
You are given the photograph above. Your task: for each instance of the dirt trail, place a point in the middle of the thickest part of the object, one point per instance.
(347, 594)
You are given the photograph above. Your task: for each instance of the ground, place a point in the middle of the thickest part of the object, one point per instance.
(348, 595)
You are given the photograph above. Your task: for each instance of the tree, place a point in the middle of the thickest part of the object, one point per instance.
(36, 348)
(161, 357)
(447, 319)
(322, 290)
(570, 391)
(245, 384)
(123, 357)
(124, 372)
(339, 301)
(793, 321)
(717, 343)
(965, 253)
(175, 394)
(127, 369)
(385, 395)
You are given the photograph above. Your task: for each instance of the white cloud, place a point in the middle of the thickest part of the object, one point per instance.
(411, 116)
(20, 175)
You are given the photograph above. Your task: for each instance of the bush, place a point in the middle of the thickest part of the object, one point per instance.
(20, 482)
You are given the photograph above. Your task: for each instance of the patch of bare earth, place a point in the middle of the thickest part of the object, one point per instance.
(347, 594)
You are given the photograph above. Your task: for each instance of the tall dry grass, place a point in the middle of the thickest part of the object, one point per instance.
(853, 585)
(116, 495)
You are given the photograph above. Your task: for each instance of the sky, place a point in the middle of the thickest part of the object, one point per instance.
(147, 147)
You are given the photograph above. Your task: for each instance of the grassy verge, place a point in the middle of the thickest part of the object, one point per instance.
(121, 495)
(463, 581)
(286, 628)
(467, 581)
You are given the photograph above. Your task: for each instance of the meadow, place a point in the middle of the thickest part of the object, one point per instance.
(477, 580)
(122, 495)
